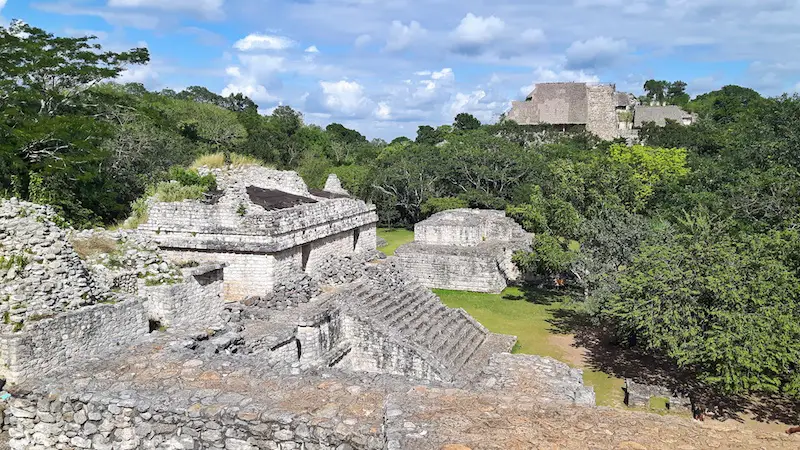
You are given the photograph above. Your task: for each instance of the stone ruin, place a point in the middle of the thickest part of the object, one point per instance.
(259, 317)
(465, 249)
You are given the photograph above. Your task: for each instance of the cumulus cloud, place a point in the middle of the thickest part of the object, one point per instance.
(258, 41)
(475, 33)
(595, 53)
(345, 98)
(550, 75)
(312, 49)
(402, 36)
(146, 75)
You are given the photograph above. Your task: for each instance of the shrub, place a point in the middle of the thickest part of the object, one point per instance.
(238, 160)
(212, 161)
(168, 191)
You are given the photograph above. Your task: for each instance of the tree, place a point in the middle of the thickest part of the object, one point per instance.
(655, 90)
(676, 93)
(466, 121)
(727, 105)
(723, 307)
(652, 167)
(50, 137)
(426, 134)
(340, 133)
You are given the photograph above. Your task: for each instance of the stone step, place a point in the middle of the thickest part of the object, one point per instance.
(387, 303)
(414, 321)
(462, 334)
(439, 329)
(415, 304)
(467, 347)
(400, 303)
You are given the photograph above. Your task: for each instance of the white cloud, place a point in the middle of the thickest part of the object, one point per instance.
(205, 7)
(402, 36)
(383, 111)
(345, 97)
(312, 49)
(476, 32)
(256, 92)
(257, 41)
(597, 52)
(532, 36)
(145, 74)
(362, 40)
(549, 75)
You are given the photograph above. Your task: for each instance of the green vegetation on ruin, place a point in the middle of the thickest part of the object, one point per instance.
(395, 237)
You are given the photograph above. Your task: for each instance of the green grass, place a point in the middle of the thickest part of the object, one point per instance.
(395, 237)
(525, 314)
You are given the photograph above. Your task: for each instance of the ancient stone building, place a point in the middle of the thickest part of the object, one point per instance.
(596, 108)
(464, 249)
(265, 225)
(106, 344)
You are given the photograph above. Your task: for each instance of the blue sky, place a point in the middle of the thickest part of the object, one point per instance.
(384, 67)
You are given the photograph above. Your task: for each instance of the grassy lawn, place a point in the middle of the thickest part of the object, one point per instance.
(395, 237)
(526, 314)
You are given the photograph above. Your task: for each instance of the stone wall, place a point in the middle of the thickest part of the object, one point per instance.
(375, 352)
(65, 421)
(50, 344)
(602, 114)
(452, 268)
(197, 301)
(194, 225)
(245, 274)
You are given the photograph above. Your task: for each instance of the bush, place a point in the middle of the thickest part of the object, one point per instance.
(212, 161)
(169, 191)
(238, 160)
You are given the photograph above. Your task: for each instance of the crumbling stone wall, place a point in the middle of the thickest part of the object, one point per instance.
(196, 301)
(452, 268)
(50, 344)
(602, 114)
(73, 421)
(464, 249)
(40, 273)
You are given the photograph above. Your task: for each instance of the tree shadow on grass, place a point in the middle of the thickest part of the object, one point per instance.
(626, 360)
(538, 295)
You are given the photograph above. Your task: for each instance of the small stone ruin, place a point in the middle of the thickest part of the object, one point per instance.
(464, 249)
(259, 317)
(638, 395)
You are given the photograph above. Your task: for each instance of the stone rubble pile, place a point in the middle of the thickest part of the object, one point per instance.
(40, 273)
(337, 270)
(294, 290)
(133, 258)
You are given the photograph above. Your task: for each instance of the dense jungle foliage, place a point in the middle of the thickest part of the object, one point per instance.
(686, 245)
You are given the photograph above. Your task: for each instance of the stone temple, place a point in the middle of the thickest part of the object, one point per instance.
(263, 224)
(464, 249)
(262, 317)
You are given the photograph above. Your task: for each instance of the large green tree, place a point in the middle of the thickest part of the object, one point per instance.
(50, 138)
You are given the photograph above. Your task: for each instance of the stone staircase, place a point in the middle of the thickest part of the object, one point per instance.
(449, 340)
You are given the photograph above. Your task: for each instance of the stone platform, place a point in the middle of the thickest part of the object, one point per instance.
(159, 395)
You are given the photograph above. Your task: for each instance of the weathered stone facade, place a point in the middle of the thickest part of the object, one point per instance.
(463, 249)
(158, 359)
(596, 108)
(264, 225)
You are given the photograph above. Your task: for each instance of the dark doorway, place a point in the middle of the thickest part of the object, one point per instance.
(356, 234)
(306, 255)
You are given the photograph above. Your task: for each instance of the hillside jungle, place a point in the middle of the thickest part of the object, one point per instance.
(685, 247)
